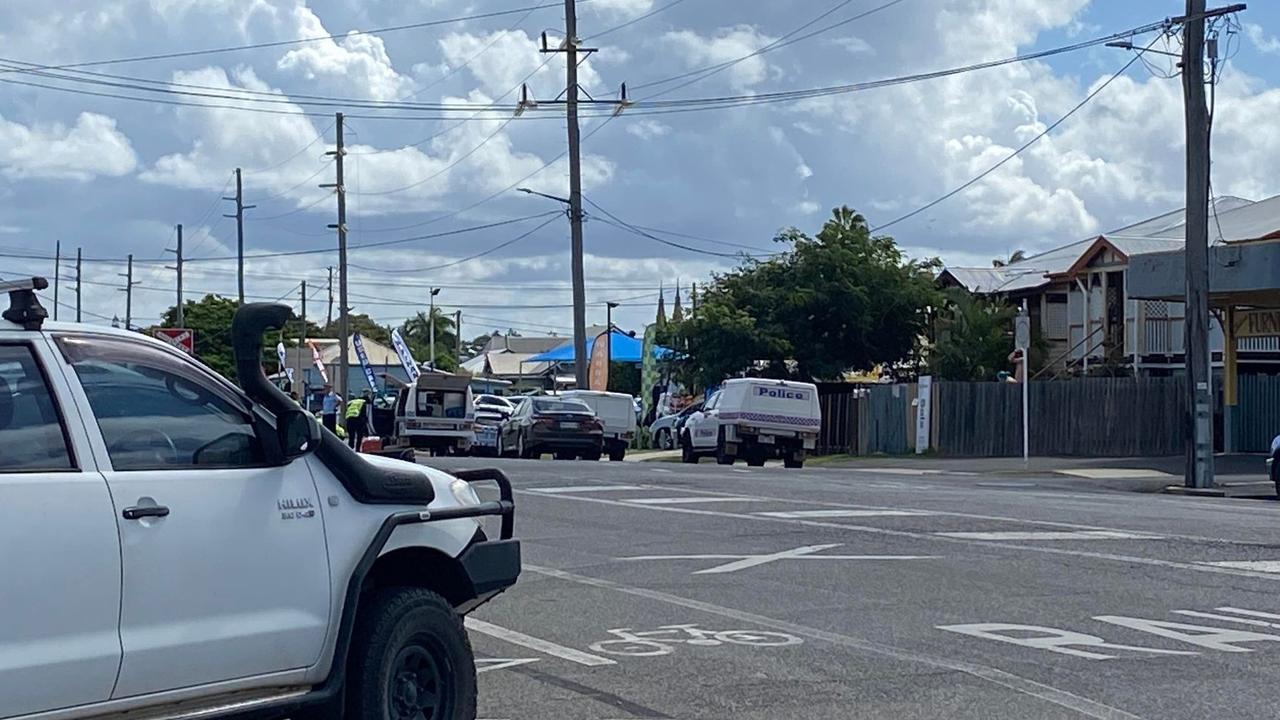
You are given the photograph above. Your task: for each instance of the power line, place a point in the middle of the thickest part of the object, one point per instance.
(617, 222)
(468, 258)
(635, 20)
(978, 178)
(299, 41)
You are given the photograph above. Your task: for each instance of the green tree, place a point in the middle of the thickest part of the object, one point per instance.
(363, 324)
(974, 336)
(841, 300)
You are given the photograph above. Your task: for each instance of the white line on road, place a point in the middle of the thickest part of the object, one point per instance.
(533, 643)
(742, 562)
(484, 665)
(1062, 698)
(1050, 535)
(794, 514)
(584, 488)
(1047, 550)
(687, 500)
(1266, 566)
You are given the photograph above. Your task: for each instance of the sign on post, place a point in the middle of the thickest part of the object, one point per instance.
(182, 338)
(924, 390)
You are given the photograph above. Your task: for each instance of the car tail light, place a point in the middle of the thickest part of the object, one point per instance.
(544, 422)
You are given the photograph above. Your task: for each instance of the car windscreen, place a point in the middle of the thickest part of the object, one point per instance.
(560, 406)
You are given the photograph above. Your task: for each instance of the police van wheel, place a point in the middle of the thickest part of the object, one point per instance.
(412, 660)
(722, 455)
(793, 459)
(687, 455)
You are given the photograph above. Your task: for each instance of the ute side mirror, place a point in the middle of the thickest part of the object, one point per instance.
(298, 432)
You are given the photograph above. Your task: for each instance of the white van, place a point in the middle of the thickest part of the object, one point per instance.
(754, 419)
(438, 414)
(616, 411)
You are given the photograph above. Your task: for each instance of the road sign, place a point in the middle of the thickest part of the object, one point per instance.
(1022, 331)
(181, 338)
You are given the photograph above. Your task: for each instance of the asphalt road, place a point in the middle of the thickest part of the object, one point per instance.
(872, 593)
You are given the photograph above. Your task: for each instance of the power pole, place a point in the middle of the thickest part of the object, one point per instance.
(329, 319)
(570, 49)
(1199, 456)
(128, 293)
(57, 275)
(431, 328)
(457, 333)
(181, 316)
(338, 154)
(78, 284)
(239, 216)
(302, 344)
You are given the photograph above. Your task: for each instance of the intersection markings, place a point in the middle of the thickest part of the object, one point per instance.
(687, 500)
(1267, 566)
(583, 489)
(798, 514)
(1054, 535)
(743, 562)
(533, 643)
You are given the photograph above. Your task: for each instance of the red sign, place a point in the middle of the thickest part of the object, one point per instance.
(181, 338)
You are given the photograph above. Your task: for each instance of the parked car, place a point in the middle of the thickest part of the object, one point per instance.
(617, 415)
(566, 428)
(437, 414)
(754, 419)
(176, 546)
(491, 412)
(666, 429)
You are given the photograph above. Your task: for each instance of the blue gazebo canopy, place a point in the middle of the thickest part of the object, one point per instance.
(622, 348)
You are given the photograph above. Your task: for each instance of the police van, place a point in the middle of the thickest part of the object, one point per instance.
(754, 419)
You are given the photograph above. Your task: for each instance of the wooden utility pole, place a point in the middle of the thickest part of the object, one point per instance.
(57, 275)
(1199, 455)
(239, 216)
(78, 268)
(457, 333)
(338, 154)
(329, 317)
(128, 293)
(180, 316)
(302, 343)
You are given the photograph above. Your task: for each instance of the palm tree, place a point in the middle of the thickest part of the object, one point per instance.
(417, 333)
(1015, 257)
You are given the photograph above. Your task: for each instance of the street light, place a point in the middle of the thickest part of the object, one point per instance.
(431, 327)
(609, 315)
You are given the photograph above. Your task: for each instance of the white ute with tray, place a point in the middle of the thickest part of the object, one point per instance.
(616, 412)
(175, 547)
(754, 419)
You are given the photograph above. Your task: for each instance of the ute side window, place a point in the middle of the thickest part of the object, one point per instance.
(33, 437)
(157, 411)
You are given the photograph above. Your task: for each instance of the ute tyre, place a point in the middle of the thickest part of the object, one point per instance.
(411, 659)
(591, 455)
(617, 454)
(755, 458)
(793, 460)
(723, 457)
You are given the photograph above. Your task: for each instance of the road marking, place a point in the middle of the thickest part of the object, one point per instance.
(796, 514)
(533, 643)
(687, 500)
(661, 470)
(1047, 550)
(584, 489)
(1226, 618)
(484, 665)
(1266, 566)
(743, 562)
(1113, 473)
(1050, 535)
(1048, 693)
(912, 472)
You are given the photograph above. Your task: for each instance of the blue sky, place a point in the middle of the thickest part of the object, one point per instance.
(114, 176)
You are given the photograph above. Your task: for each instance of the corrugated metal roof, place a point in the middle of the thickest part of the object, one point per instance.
(978, 280)
(1175, 218)
(1249, 222)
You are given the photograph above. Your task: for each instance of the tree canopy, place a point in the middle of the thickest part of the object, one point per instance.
(974, 337)
(840, 300)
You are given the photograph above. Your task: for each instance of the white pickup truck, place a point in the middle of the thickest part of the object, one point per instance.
(754, 419)
(176, 547)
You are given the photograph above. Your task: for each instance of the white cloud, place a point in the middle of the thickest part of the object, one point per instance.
(726, 45)
(512, 57)
(90, 148)
(648, 129)
(852, 44)
(358, 62)
(625, 9)
(1265, 43)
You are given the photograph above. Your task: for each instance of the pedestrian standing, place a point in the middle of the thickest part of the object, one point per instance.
(329, 409)
(357, 420)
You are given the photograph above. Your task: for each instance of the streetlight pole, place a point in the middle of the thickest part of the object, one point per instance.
(431, 327)
(609, 316)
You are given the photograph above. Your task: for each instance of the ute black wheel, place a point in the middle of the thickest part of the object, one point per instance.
(617, 454)
(794, 459)
(412, 660)
(722, 454)
(755, 458)
(592, 455)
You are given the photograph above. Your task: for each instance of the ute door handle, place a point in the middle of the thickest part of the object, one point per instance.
(145, 511)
